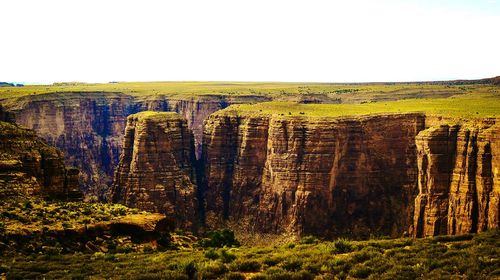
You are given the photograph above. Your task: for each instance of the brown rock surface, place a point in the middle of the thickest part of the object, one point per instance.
(88, 126)
(459, 184)
(379, 174)
(155, 172)
(312, 176)
(29, 166)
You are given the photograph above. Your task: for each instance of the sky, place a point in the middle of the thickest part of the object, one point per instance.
(259, 40)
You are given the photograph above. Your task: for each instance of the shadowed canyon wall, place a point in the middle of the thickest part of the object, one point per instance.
(29, 166)
(88, 126)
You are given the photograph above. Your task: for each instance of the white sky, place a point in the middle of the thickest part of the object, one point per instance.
(233, 40)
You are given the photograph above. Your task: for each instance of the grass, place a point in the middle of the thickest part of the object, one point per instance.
(473, 105)
(35, 214)
(236, 88)
(469, 257)
(155, 115)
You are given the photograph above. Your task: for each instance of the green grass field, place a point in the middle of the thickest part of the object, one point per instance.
(442, 257)
(234, 88)
(473, 105)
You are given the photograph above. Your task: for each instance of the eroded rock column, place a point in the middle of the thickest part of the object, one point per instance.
(156, 171)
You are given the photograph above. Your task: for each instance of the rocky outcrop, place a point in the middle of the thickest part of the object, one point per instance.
(379, 174)
(29, 166)
(88, 126)
(324, 176)
(155, 172)
(459, 184)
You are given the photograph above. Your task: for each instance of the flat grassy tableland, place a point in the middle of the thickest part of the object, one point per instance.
(442, 257)
(462, 106)
(237, 88)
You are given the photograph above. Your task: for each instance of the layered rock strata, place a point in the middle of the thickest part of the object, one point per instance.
(155, 172)
(326, 176)
(88, 126)
(459, 183)
(29, 166)
(379, 174)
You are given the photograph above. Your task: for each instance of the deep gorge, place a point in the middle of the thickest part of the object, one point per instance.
(386, 174)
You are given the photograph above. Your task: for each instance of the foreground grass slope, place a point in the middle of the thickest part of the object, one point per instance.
(457, 257)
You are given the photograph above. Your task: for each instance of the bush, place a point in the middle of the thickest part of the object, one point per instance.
(278, 274)
(190, 269)
(227, 257)
(234, 276)
(219, 239)
(247, 266)
(341, 246)
(292, 264)
(309, 239)
(360, 271)
(212, 270)
(211, 254)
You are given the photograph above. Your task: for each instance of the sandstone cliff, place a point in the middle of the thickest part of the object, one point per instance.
(88, 126)
(378, 174)
(29, 166)
(326, 176)
(458, 181)
(155, 172)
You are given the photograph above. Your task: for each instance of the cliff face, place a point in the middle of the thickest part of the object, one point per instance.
(380, 174)
(155, 172)
(322, 176)
(29, 166)
(459, 184)
(88, 126)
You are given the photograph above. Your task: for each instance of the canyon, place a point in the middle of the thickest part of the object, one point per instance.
(394, 174)
(89, 126)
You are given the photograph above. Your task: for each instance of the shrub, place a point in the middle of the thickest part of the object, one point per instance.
(341, 246)
(220, 239)
(212, 270)
(211, 254)
(190, 269)
(247, 266)
(272, 261)
(226, 256)
(309, 239)
(360, 271)
(294, 264)
(278, 274)
(234, 276)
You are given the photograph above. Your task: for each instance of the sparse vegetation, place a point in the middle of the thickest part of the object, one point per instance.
(470, 256)
(466, 106)
(34, 214)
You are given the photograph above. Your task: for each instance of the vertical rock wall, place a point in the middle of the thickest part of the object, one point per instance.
(459, 184)
(155, 172)
(322, 176)
(88, 126)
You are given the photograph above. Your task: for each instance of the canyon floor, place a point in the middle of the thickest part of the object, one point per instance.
(237, 180)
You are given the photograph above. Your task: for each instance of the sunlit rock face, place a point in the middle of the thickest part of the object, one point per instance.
(326, 176)
(155, 172)
(458, 180)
